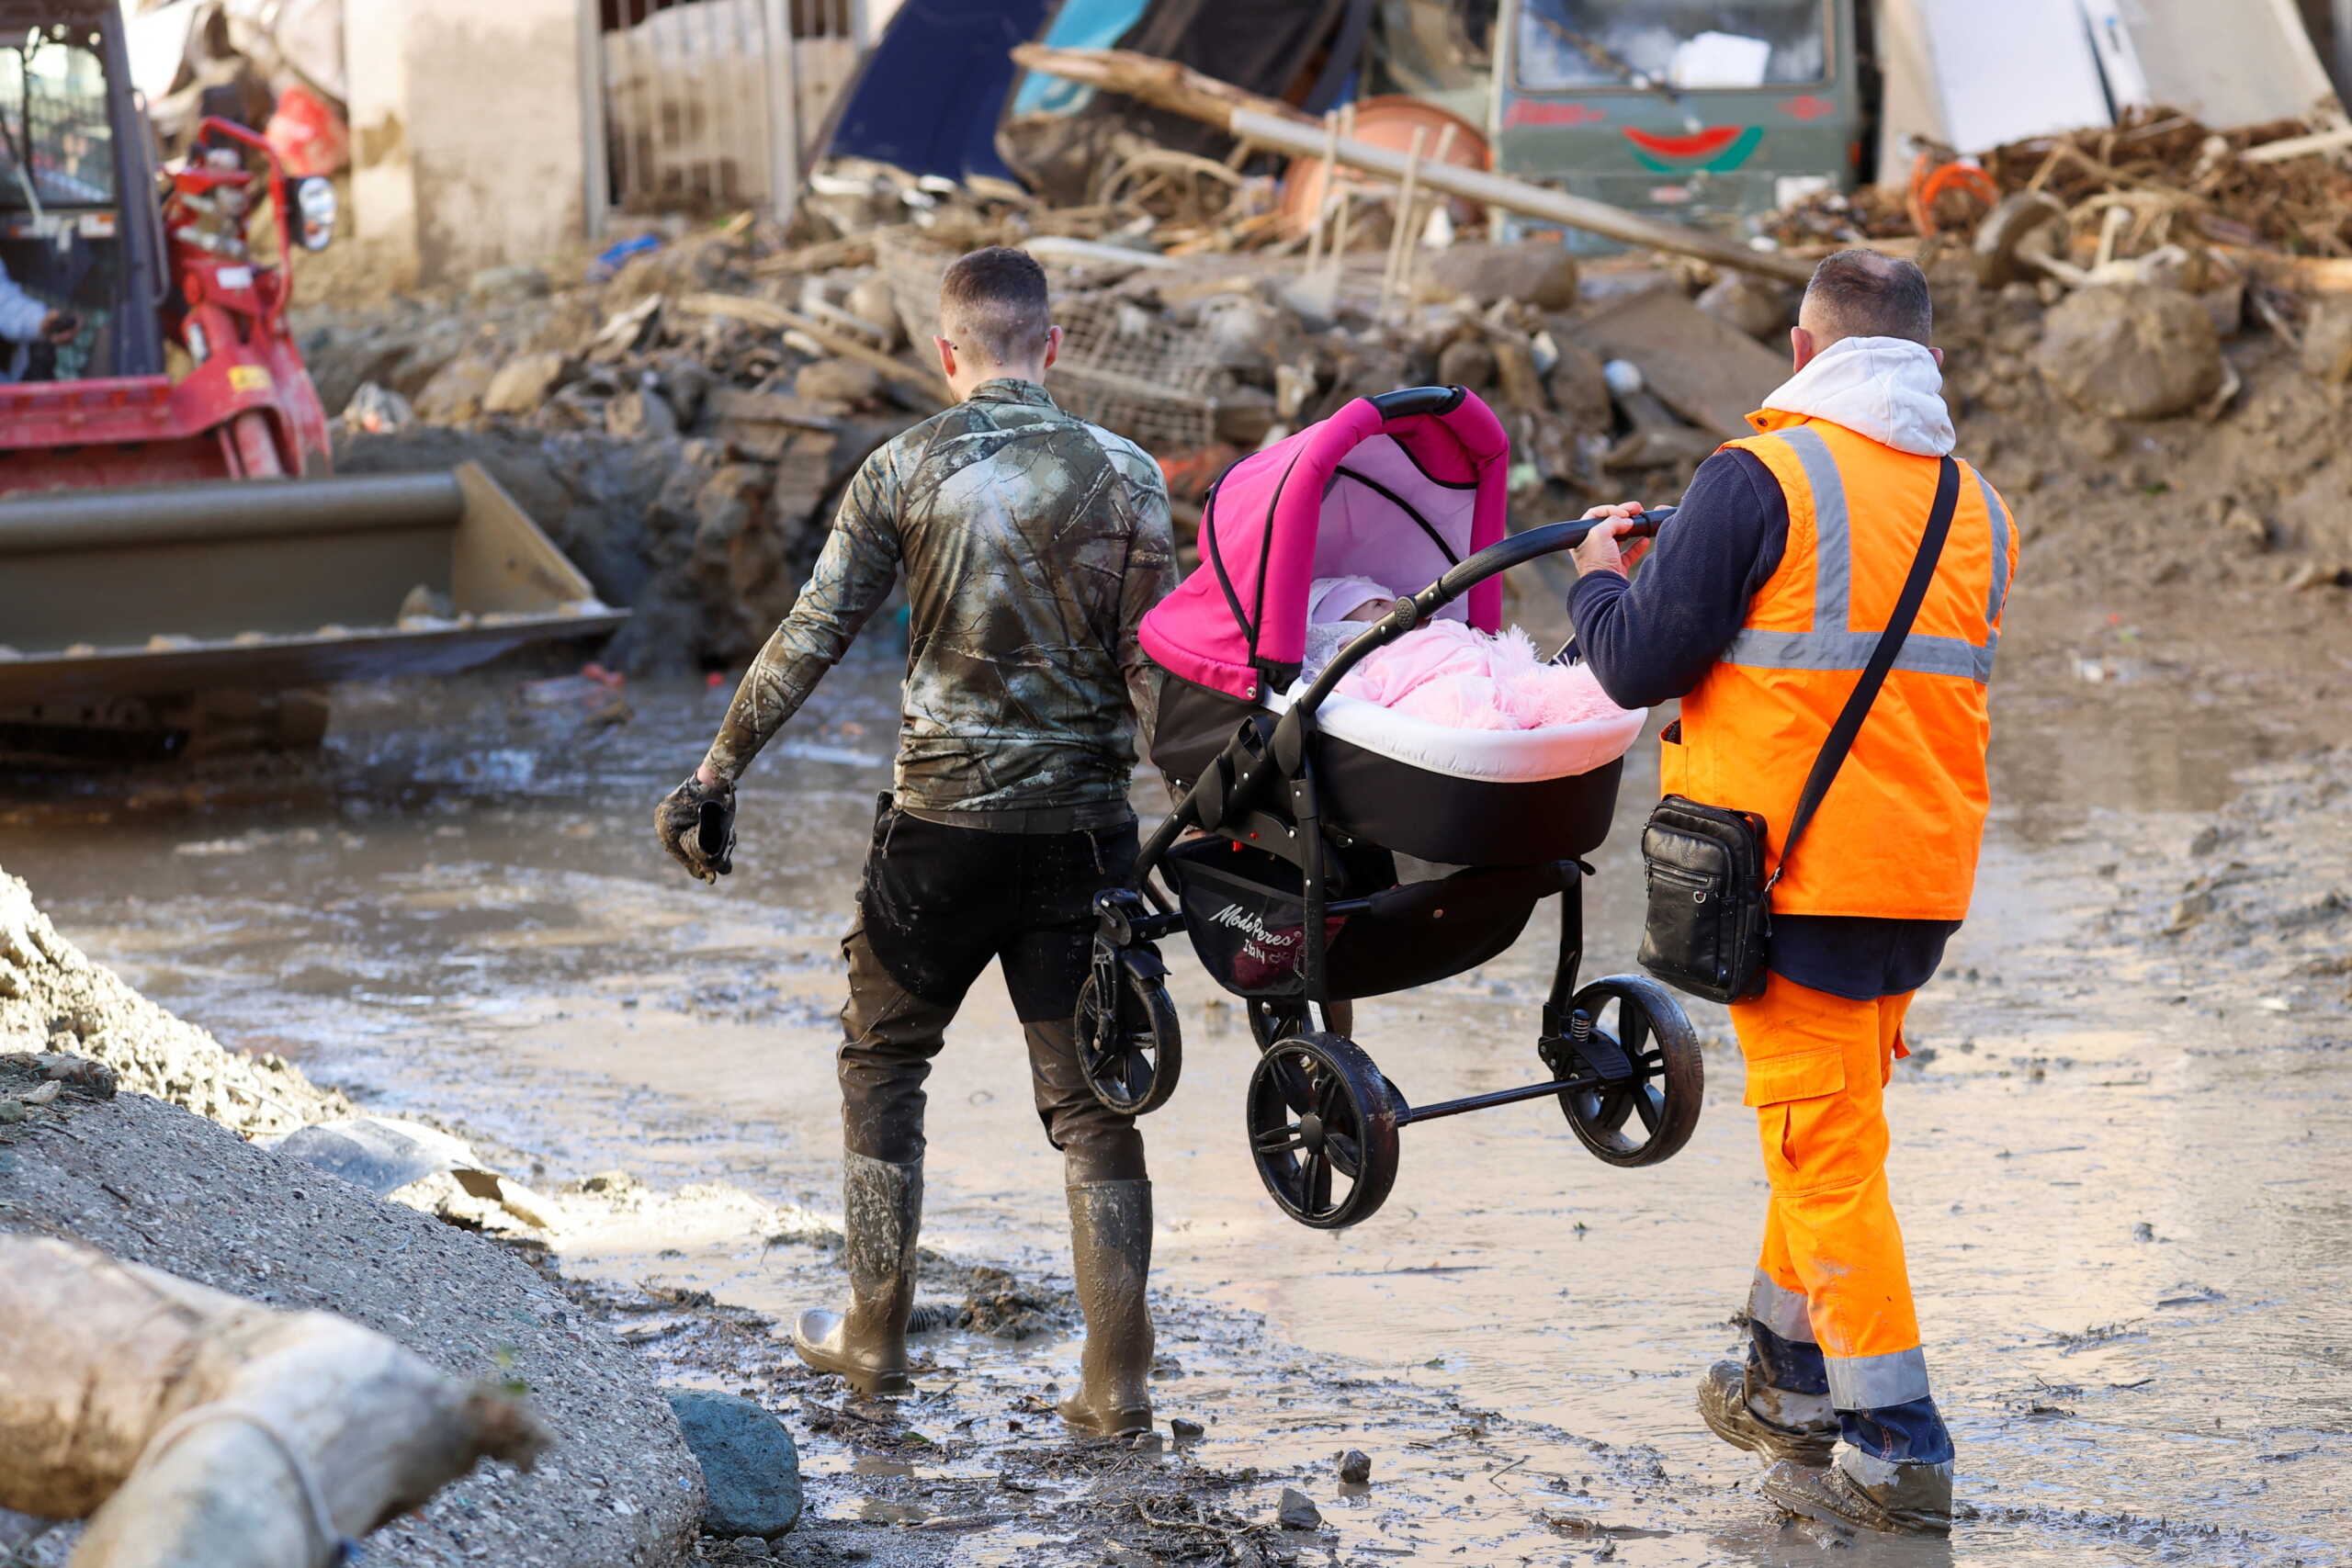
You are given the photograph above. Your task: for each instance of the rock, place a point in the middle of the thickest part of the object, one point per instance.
(640, 413)
(1536, 272)
(455, 393)
(2327, 341)
(2131, 353)
(1355, 1467)
(1184, 1431)
(843, 383)
(523, 384)
(521, 281)
(2248, 525)
(1466, 362)
(1579, 383)
(1297, 1511)
(749, 1468)
(748, 1546)
(1757, 307)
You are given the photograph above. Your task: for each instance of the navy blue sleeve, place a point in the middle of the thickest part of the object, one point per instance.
(1651, 638)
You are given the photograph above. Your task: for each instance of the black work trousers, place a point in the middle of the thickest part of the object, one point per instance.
(938, 903)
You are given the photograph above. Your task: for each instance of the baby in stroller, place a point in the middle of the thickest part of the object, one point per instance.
(1296, 799)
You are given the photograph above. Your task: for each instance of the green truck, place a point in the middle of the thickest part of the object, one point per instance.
(1707, 112)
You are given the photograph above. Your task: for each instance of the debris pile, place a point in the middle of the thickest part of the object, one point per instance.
(55, 1002)
(684, 419)
(2279, 186)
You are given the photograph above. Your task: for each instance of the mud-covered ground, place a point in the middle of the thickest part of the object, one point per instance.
(2122, 1155)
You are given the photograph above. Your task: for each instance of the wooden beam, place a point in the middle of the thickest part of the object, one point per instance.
(1163, 83)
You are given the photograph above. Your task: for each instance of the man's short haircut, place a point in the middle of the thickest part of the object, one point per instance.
(992, 306)
(1864, 294)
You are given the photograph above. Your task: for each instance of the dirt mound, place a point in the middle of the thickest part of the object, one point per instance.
(2247, 488)
(151, 1184)
(53, 998)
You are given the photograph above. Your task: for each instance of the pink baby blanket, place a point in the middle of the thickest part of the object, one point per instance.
(1446, 672)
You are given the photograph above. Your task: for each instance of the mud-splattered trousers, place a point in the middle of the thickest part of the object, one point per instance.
(938, 904)
(1831, 1306)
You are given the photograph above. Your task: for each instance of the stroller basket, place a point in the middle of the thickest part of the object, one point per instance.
(1245, 911)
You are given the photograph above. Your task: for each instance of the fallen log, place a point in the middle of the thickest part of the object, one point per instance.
(1214, 103)
(190, 1426)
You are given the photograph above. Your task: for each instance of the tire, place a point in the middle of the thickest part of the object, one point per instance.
(1319, 1112)
(1649, 1118)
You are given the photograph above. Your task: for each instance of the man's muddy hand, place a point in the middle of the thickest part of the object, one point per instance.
(705, 848)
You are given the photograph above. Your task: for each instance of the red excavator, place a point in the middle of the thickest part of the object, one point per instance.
(177, 571)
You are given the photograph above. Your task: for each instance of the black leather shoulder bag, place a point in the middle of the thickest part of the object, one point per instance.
(1710, 924)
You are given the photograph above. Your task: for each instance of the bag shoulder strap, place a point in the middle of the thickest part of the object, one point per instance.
(1883, 656)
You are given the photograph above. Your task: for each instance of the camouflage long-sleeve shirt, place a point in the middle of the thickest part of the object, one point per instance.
(1032, 544)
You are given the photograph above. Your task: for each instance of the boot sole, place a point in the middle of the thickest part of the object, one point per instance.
(1805, 1506)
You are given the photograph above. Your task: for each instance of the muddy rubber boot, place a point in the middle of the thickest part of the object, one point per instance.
(1745, 1412)
(881, 1215)
(1860, 1492)
(1110, 1236)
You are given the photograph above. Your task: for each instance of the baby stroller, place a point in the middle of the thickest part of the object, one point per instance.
(1280, 857)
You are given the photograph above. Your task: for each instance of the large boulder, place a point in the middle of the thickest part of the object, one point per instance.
(1537, 272)
(2131, 352)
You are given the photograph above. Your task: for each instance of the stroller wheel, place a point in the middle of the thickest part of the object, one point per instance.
(1649, 1117)
(1129, 1052)
(1322, 1130)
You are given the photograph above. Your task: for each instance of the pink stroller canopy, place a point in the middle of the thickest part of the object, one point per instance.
(1360, 494)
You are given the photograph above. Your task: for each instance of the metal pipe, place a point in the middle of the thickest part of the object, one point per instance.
(240, 509)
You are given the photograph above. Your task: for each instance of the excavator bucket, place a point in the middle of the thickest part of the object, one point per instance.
(271, 585)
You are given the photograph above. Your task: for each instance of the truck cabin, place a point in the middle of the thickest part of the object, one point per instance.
(1707, 112)
(77, 227)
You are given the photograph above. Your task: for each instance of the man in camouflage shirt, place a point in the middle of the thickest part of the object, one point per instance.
(1032, 543)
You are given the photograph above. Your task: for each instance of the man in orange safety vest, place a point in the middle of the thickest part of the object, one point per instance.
(1760, 605)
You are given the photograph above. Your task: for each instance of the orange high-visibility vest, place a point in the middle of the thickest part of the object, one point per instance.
(1898, 833)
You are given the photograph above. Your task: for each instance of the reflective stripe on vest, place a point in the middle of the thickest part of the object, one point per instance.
(1829, 646)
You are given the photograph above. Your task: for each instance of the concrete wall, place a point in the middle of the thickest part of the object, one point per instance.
(467, 133)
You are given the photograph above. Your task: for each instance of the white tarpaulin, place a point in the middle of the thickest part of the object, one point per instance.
(1975, 74)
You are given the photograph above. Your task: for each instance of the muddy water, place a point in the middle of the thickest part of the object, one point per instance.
(2126, 1201)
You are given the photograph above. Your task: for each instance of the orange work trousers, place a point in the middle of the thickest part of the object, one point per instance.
(1832, 1272)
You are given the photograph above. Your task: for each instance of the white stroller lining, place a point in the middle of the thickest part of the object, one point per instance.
(1494, 756)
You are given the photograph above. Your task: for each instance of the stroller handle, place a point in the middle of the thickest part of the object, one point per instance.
(1407, 401)
(1520, 548)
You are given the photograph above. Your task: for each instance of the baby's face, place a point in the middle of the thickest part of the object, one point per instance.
(1370, 610)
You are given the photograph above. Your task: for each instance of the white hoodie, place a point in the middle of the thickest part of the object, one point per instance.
(1888, 389)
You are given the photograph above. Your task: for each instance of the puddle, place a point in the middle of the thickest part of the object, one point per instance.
(2130, 1237)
